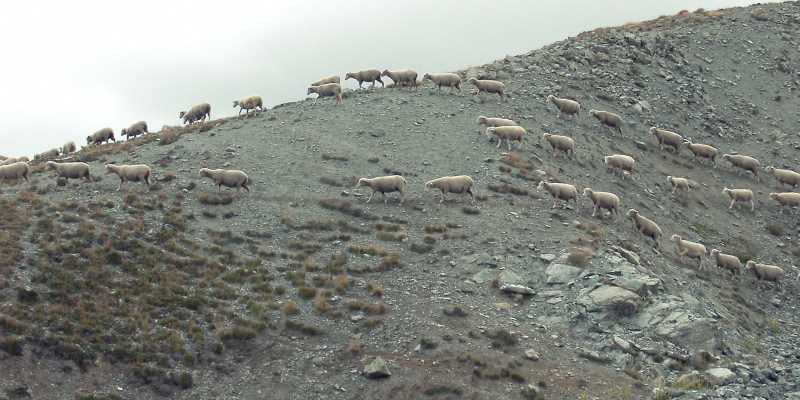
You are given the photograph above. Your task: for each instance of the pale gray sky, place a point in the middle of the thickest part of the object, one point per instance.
(72, 67)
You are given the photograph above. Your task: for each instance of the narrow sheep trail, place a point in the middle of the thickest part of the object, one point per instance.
(299, 289)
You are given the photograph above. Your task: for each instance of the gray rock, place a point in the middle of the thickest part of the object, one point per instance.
(547, 257)
(720, 376)
(561, 273)
(483, 276)
(592, 355)
(606, 295)
(377, 369)
(623, 345)
(532, 355)
(509, 278)
(792, 396)
(643, 286)
(520, 289)
(632, 257)
(532, 392)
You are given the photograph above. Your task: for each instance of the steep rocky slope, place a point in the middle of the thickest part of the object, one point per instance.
(290, 291)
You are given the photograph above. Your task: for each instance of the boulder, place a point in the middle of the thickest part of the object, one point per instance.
(561, 273)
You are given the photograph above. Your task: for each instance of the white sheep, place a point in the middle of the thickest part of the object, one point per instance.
(68, 148)
(384, 184)
(765, 272)
(488, 122)
(786, 199)
(453, 81)
(727, 261)
(250, 103)
(560, 143)
(560, 191)
(619, 162)
(130, 173)
(507, 133)
(702, 151)
(232, 178)
(565, 106)
(488, 86)
(15, 171)
(70, 170)
(603, 200)
(690, 249)
(197, 113)
(452, 184)
(402, 77)
(740, 196)
(329, 79)
(12, 160)
(136, 129)
(677, 183)
(645, 226)
(784, 176)
(47, 155)
(668, 138)
(369, 75)
(746, 163)
(101, 136)
(608, 119)
(327, 90)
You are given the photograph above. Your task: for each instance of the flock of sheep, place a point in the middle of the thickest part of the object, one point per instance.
(501, 128)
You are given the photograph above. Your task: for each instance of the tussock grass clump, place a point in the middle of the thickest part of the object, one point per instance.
(371, 249)
(369, 308)
(506, 188)
(435, 228)
(391, 236)
(776, 230)
(579, 256)
(346, 208)
(290, 308)
(471, 210)
(389, 261)
(215, 199)
(12, 345)
(516, 161)
(169, 137)
(304, 328)
(375, 289)
(421, 248)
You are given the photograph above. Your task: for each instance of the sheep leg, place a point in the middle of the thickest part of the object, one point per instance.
(442, 200)
(471, 195)
(594, 211)
(554, 203)
(732, 203)
(499, 142)
(402, 197)
(385, 199)
(508, 142)
(244, 185)
(752, 205)
(370, 196)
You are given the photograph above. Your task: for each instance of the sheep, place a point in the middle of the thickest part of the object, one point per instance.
(488, 122)
(690, 249)
(70, 170)
(330, 79)
(12, 160)
(49, 154)
(668, 138)
(560, 143)
(740, 195)
(136, 129)
(608, 119)
(746, 163)
(702, 151)
(130, 173)
(786, 199)
(250, 103)
(488, 86)
(784, 176)
(565, 106)
(197, 113)
(15, 171)
(369, 75)
(509, 133)
(677, 183)
(447, 79)
(562, 191)
(68, 148)
(101, 136)
(727, 261)
(603, 200)
(327, 90)
(384, 184)
(619, 162)
(765, 272)
(452, 184)
(228, 177)
(645, 226)
(402, 77)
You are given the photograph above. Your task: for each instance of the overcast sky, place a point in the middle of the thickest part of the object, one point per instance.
(70, 68)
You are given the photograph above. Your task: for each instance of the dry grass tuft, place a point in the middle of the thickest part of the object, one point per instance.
(580, 256)
(290, 308)
(371, 249)
(347, 208)
(169, 137)
(214, 199)
(506, 188)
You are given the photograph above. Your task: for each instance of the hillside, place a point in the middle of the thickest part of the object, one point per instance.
(291, 290)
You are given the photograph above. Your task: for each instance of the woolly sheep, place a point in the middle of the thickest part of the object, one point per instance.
(70, 170)
(677, 183)
(197, 113)
(668, 138)
(446, 79)
(488, 86)
(15, 171)
(452, 184)
(765, 272)
(603, 200)
(330, 79)
(560, 191)
(249, 103)
(384, 184)
(12, 160)
(608, 119)
(645, 226)
(232, 178)
(746, 163)
(727, 261)
(740, 196)
(130, 173)
(784, 176)
(702, 151)
(369, 75)
(786, 199)
(136, 129)
(488, 122)
(402, 77)
(327, 90)
(507, 133)
(101, 136)
(68, 148)
(49, 154)
(690, 249)
(620, 162)
(565, 106)
(560, 143)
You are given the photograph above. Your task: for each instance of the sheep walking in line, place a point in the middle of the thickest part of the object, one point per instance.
(565, 106)
(489, 122)
(326, 90)
(231, 178)
(13, 172)
(667, 138)
(740, 196)
(453, 81)
(47, 155)
(197, 113)
(249, 103)
(746, 163)
(645, 226)
(765, 272)
(682, 184)
(101, 136)
(130, 173)
(369, 75)
(786, 199)
(330, 79)
(689, 249)
(560, 191)
(560, 143)
(727, 262)
(608, 119)
(402, 77)
(784, 176)
(452, 184)
(619, 163)
(12, 160)
(136, 129)
(70, 170)
(68, 148)
(603, 201)
(383, 185)
(507, 133)
(705, 151)
(488, 86)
